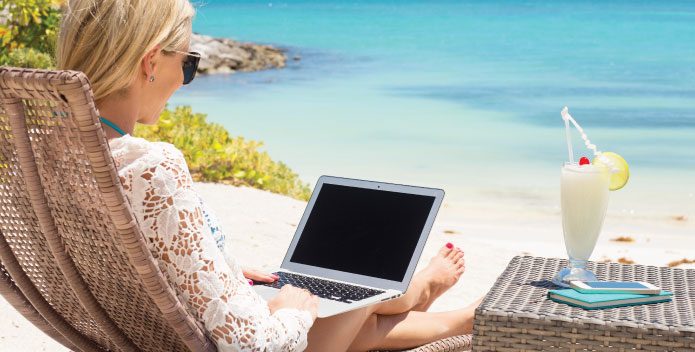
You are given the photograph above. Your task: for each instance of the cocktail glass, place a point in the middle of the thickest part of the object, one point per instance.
(584, 194)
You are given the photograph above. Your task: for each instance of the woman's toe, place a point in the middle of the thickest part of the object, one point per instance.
(452, 253)
(445, 250)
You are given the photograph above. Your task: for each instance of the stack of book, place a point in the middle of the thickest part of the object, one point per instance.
(600, 300)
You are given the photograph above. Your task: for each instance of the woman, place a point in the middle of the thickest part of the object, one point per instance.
(135, 53)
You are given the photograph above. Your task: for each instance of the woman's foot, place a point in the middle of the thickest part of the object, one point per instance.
(441, 274)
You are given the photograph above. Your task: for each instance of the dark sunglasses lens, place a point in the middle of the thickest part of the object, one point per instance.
(190, 66)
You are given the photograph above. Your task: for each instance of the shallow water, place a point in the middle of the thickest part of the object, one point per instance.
(466, 96)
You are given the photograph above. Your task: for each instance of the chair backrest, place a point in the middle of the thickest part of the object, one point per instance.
(72, 258)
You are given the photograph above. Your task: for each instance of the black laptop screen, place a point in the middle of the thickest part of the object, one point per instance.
(363, 231)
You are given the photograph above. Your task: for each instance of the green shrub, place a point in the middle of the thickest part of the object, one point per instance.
(28, 58)
(212, 155)
(28, 33)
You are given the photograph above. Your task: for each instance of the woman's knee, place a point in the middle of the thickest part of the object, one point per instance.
(366, 337)
(336, 333)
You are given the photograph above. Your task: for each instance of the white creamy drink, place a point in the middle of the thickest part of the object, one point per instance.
(584, 190)
(584, 197)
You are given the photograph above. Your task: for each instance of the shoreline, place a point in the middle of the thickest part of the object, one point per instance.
(225, 56)
(259, 226)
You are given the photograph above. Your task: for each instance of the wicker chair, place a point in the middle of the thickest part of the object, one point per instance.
(72, 258)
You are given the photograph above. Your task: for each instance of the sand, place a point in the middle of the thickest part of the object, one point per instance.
(260, 225)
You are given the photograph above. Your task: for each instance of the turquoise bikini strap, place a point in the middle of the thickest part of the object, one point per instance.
(112, 125)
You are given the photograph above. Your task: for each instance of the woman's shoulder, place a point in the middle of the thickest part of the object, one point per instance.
(129, 151)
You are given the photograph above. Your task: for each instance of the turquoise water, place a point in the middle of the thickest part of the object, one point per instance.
(465, 96)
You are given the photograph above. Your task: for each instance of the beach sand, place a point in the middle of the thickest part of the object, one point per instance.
(260, 225)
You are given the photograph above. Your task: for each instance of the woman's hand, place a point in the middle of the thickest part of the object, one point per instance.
(257, 275)
(297, 298)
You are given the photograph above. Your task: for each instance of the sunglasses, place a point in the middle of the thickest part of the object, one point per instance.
(190, 66)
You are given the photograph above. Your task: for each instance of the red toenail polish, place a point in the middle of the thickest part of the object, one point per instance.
(449, 245)
(251, 282)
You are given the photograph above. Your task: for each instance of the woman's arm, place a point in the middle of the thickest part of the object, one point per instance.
(171, 217)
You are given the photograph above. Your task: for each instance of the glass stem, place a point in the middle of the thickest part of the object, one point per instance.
(577, 264)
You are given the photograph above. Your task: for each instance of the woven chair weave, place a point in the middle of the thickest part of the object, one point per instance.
(12, 294)
(58, 181)
(458, 343)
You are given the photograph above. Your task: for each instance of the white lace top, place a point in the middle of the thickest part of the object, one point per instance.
(184, 237)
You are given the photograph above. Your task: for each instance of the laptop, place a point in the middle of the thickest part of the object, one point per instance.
(357, 243)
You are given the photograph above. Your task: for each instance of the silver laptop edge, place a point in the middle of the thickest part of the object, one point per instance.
(393, 289)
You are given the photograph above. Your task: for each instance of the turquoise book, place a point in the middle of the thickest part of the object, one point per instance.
(605, 300)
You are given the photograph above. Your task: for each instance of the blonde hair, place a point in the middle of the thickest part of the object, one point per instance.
(107, 39)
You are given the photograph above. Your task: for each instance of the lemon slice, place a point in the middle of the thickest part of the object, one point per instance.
(618, 179)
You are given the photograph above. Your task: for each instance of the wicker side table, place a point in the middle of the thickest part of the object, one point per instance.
(516, 315)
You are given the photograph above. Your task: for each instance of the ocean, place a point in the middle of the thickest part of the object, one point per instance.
(466, 95)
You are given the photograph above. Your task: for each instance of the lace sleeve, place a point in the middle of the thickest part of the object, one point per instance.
(173, 221)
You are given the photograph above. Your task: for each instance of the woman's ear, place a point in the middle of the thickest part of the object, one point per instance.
(149, 62)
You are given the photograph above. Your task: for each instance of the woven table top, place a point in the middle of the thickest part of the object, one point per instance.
(521, 292)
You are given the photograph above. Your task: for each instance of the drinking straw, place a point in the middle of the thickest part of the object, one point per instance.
(566, 116)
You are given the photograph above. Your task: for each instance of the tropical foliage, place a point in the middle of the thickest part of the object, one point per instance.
(213, 155)
(28, 30)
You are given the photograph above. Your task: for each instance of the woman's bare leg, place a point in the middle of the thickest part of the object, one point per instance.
(411, 329)
(363, 329)
(336, 333)
(442, 273)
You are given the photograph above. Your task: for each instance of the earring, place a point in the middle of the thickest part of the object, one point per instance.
(152, 79)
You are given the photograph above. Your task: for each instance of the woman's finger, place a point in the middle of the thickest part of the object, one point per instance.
(258, 275)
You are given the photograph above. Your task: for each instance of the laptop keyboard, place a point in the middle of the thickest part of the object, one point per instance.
(332, 290)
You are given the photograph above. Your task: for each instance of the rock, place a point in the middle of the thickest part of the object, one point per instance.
(222, 55)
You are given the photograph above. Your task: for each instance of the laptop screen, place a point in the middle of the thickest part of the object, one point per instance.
(363, 231)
